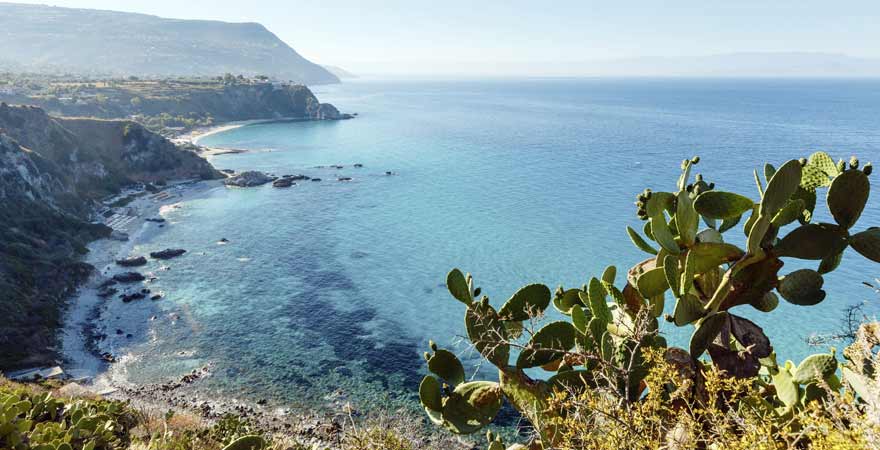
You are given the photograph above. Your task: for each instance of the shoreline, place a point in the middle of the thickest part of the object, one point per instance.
(91, 328)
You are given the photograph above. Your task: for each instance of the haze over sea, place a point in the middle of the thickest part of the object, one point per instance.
(339, 285)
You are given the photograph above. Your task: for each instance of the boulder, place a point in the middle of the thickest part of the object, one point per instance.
(134, 261)
(344, 178)
(283, 183)
(168, 253)
(250, 178)
(128, 277)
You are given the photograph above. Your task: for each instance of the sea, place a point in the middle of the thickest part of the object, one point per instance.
(332, 289)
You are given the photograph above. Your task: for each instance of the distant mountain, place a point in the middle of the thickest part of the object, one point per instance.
(339, 72)
(50, 39)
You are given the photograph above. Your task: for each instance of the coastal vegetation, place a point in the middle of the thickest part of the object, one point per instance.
(169, 106)
(605, 377)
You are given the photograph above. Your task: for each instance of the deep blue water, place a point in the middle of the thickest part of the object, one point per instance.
(334, 285)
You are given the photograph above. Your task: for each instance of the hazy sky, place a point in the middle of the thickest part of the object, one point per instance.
(454, 35)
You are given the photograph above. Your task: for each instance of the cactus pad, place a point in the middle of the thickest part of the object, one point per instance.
(529, 301)
(813, 241)
(487, 332)
(459, 287)
(247, 443)
(802, 287)
(815, 368)
(722, 205)
(446, 365)
(707, 332)
(430, 393)
(847, 197)
(867, 243)
(781, 187)
(548, 344)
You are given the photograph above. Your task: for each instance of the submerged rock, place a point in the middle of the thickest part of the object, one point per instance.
(134, 261)
(126, 298)
(128, 277)
(249, 179)
(168, 253)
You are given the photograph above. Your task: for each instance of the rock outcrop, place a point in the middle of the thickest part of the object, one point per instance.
(168, 253)
(52, 171)
(250, 178)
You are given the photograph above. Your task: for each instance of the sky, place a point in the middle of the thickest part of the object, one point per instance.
(455, 36)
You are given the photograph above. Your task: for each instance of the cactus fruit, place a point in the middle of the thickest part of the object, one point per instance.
(600, 344)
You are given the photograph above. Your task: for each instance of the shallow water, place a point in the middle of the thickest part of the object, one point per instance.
(338, 285)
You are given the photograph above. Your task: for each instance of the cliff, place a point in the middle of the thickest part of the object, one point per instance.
(51, 173)
(169, 103)
(40, 38)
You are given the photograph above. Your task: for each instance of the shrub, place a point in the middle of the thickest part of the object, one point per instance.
(605, 354)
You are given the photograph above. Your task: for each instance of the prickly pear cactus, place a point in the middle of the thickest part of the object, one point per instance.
(692, 277)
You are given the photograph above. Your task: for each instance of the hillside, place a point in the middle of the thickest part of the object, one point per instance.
(167, 105)
(50, 39)
(51, 171)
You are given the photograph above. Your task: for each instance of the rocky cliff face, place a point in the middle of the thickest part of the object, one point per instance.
(51, 172)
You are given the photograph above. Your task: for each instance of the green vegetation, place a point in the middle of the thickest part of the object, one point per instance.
(36, 417)
(615, 383)
(168, 106)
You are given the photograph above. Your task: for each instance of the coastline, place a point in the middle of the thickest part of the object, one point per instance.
(93, 326)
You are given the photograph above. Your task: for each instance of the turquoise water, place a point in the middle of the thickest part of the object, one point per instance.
(339, 285)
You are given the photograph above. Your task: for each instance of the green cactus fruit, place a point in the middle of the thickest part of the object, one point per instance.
(486, 331)
(568, 298)
(471, 406)
(802, 287)
(830, 262)
(766, 303)
(868, 169)
(686, 218)
(781, 188)
(789, 213)
(247, 443)
(495, 445)
(529, 301)
(853, 162)
(813, 241)
(867, 243)
(458, 287)
(815, 368)
(609, 274)
(786, 389)
(722, 205)
(430, 393)
(662, 234)
(639, 242)
(708, 329)
(847, 197)
(446, 365)
(548, 344)
(687, 310)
